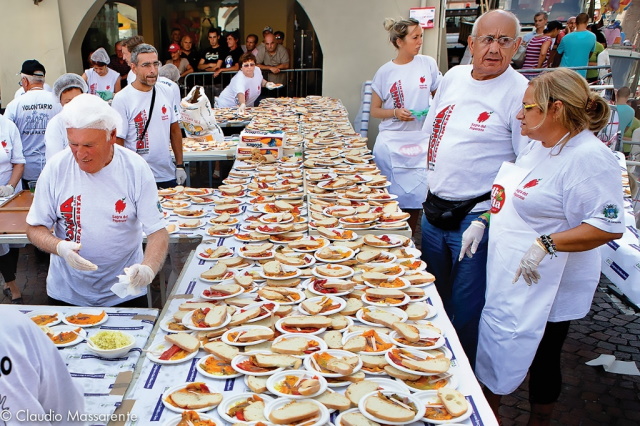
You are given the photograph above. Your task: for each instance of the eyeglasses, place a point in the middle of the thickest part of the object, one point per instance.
(527, 107)
(502, 41)
(278, 38)
(155, 64)
(248, 65)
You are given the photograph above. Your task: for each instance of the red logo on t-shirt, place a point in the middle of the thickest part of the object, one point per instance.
(422, 79)
(121, 205)
(397, 94)
(497, 198)
(4, 144)
(412, 150)
(70, 211)
(531, 183)
(439, 126)
(164, 109)
(484, 116)
(108, 87)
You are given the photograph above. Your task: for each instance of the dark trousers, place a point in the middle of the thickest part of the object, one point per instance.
(9, 264)
(138, 302)
(545, 376)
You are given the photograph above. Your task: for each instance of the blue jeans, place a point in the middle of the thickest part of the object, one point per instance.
(461, 285)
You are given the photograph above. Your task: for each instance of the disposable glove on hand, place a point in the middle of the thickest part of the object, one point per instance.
(6, 190)
(140, 275)
(241, 109)
(181, 176)
(529, 264)
(471, 239)
(68, 251)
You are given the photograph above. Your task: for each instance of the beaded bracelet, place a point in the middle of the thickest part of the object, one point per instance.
(548, 244)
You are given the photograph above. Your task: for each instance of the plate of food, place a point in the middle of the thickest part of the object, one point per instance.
(282, 295)
(198, 192)
(381, 296)
(332, 287)
(221, 231)
(298, 344)
(332, 271)
(65, 335)
(333, 363)
(170, 204)
(312, 325)
(309, 244)
(334, 254)
(384, 241)
(296, 384)
(216, 368)
(217, 273)
(419, 337)
(173, 325)
(86, 317)
(247, 335)
(322, 305)
(368, 342)
(417, 362)
(48, 318)
(224, 219)
(444, 406)
(209, 253)
(207, 318)
(391, 408)
(251, 236)
(438, 381)
(172, 228)
(286, 237)
(194, 396)
(257, 251)
(190, 224)
(274, 270)
(381, 196)
(381, 317)
(176, 349)
(190, 417)
(273, 218)
(263, 363)
(307, 412)
(222, 291)
(244, 407)
(254, 312)
(189, 213)
(274, 229)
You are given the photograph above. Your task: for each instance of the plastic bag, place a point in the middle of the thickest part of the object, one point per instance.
(197, 116)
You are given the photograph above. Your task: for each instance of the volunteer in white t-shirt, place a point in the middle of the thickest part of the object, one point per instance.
(66, 87)
(146, 130)
(245, 86)
(549, 211)
(35, 380)
(102, 80)
(31, 112)
(11, 169)
(473, 128)
(402, 89)
(99, 198)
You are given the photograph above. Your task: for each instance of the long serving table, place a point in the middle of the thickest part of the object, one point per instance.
(104, 381)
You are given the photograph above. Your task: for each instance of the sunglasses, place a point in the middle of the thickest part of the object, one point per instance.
(248, 65)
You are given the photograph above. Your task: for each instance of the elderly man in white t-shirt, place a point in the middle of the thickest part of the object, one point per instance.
(473, 130)
(99, 198)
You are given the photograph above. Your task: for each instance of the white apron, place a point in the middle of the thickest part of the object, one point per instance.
(514, 316)
(402, 157)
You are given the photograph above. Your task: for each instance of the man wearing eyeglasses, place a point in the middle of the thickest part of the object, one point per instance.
(150, 123)
(473, 129)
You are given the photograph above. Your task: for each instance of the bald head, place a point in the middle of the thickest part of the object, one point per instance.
(270, 43)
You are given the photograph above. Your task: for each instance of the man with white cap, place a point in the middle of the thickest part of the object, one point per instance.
(66, 87)
(102, 80)
(31, 112)
(99, 198)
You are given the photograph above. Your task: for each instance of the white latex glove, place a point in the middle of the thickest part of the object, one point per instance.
(471, 239)
(241, 109)
(181, 176)
(6, 190)
(140, 275)
(68, 251)
(529, 264)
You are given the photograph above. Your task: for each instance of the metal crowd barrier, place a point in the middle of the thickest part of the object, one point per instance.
(299, 83)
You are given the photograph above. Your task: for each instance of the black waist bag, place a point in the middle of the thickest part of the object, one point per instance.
(447, 215)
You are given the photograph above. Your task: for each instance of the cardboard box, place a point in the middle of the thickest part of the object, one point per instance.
(269, 143)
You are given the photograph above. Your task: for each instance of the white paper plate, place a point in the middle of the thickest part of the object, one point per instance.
(382, 303)
(311, 287)
(274, 219)
(336, 353)
(226, 339)
(214, 376)
(423, 334)
(348, 336)
(347, 252)
(263, 316)
(429, 396)
(397, 311)
(282, 330)
(164, 325)
(155, 351)
(183, 216)
(285, 268)
(419, 405)
(322, 345)
(244, 357)
(227, 276)
(298, 292)
(81, 335)
(178, 409)
(342, 267)
(273, 381)
(90, 311)
(230, 401)
(280, 402)
(335, 300)
(231, 221)
(190, 224)
(173, 421)
(51, 323)
(452, 381)
(200, 254)
(204, 296)
(186, 320)
(420, 354)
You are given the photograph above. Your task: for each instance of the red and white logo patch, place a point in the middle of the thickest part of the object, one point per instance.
(497, 198)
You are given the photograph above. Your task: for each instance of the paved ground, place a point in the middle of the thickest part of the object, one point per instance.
(590, 396)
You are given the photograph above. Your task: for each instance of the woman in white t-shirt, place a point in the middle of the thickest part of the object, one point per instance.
(402, 91)
(549, 212)
(11, 168)
(102, 80)
(245, 86)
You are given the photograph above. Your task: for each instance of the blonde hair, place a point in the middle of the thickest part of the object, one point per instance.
(398, 30)
(581, 108)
